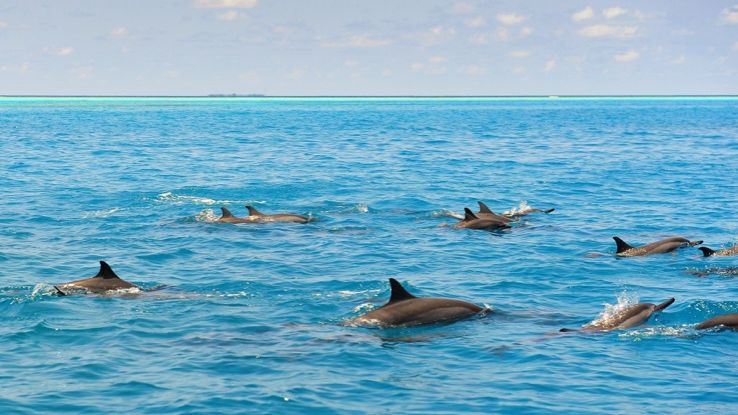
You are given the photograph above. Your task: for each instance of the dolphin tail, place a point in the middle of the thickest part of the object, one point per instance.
(663, 305)
(253, 212)
(622, 245)
(484, 208)
(706, 251)
(59, 292)
(548, 210)
(226, 213)
(469, 215)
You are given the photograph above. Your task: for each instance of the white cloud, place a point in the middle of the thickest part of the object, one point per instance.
(584, 14)
(479, 39)
(628, 56)
(351, 63)
(226, 4)
(550, 65)
(520, 53)
(678, 61)
(119, 32)
(475, 22)
(474, 70)
(526, 31)
(22, 69)
(364, 41)
(613, 12)
(3, 24)
(510, 18)
(358, 41)
(441, 31)
(730, 15)
(434, 36)
(602, 30)
(434, 66)
(502, 34)
(228, 16)
(519, 70)
(65, 51)
(462, 8)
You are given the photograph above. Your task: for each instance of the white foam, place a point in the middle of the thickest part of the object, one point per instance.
(361, 307)
(169, 197)
(124, 291)
(362, 208)
(447, 213)
(656, 332)
(101, 213)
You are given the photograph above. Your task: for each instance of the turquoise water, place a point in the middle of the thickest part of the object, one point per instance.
(251, 320)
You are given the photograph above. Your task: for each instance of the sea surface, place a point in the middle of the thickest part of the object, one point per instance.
(252, 317)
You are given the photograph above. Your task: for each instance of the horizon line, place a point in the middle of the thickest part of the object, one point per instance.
(258, 96)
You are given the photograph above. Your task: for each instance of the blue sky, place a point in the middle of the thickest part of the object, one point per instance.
(347, 47)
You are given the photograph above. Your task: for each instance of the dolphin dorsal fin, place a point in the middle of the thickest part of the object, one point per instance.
(484, 208)
(105, 271)
(226, 213)
(706, 251)
(622, 245)
(399, 293)
(253, 212)
(469, 215)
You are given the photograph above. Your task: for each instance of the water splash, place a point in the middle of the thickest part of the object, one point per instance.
(611, 311)
(447, 213)
(522, 209)
(207, 215)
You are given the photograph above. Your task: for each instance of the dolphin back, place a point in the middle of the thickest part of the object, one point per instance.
(727, 320)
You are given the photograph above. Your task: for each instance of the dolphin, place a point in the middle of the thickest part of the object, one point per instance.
(472, 221)
(227, 217)
(726, 321)
(105, 280)
(528, 211)
(628, 317)
(404, 310)
(277, 217)
(659, 247)
(486, 213)
(733, 250)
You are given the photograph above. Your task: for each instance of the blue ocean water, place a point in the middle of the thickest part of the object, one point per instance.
(251, 319)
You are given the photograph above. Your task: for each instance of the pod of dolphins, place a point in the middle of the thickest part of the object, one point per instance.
(406, 310)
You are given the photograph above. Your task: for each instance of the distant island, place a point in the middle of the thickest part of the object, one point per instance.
(236, 95)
